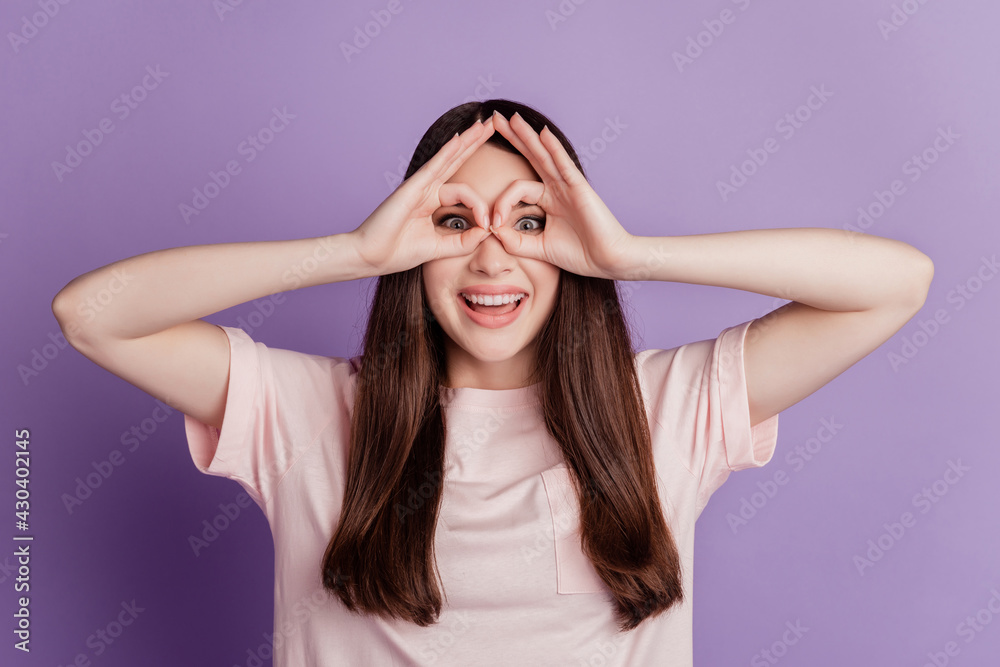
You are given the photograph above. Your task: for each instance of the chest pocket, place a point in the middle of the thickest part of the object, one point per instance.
(574, 571)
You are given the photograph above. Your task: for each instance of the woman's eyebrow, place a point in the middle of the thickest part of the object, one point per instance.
(518, 205)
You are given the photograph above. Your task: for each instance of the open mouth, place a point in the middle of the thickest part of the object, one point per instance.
(500, 309)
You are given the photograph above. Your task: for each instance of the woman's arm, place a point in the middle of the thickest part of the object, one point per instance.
(850, 293)
(828, 269)
(149, 293)
(139, 317)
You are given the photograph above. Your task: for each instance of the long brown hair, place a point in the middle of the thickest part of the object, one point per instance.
(381, 557)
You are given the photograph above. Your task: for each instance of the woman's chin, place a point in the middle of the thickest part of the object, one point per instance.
(493, 355)
(490, 352)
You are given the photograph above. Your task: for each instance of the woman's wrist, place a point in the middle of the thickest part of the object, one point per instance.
(333, 258)
(641, 257)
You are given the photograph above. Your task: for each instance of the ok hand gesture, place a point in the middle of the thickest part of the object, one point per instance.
(580, 235)
(400, 233)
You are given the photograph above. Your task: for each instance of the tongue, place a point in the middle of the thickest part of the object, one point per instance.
(493, 310)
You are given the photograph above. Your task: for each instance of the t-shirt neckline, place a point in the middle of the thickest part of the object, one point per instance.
(490, 398)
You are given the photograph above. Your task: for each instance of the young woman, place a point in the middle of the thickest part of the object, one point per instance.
(499, 479)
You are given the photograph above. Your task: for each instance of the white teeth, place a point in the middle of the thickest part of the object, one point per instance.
(493, 300)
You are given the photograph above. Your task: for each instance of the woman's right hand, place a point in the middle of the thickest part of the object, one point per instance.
(401, 234)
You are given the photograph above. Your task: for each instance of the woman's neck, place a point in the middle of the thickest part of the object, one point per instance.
(465, 370)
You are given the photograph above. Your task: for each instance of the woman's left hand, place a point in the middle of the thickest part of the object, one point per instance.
(580, 235)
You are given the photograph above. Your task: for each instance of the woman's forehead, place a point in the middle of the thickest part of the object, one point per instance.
(491, 169)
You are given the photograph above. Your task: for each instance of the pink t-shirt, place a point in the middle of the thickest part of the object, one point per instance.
(519, 589)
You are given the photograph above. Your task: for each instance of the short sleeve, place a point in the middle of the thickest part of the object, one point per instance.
(699, 410)
(277, 404)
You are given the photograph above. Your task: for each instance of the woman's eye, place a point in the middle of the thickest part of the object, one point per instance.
(539, 223)
(446, 221)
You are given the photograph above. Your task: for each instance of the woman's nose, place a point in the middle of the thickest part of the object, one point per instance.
(490, 255)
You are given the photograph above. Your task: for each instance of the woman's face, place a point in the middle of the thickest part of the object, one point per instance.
(483, 350)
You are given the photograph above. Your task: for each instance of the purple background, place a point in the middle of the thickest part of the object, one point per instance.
(356, 123)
